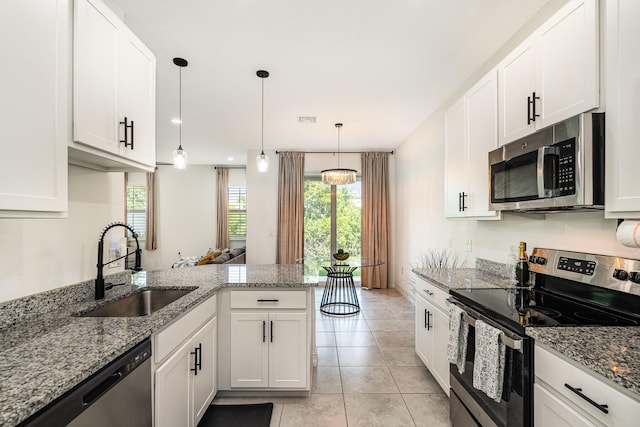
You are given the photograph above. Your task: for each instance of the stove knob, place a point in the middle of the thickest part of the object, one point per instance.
(541, 260)
(620, 274)
(634, 276)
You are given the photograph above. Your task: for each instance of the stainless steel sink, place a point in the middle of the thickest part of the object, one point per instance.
(142, 303)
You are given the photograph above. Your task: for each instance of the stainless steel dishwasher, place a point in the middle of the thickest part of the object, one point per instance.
(117, 395)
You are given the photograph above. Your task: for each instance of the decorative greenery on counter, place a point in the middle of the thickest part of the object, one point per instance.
(443, 259)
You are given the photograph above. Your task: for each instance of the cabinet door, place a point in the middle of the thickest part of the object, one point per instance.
(567, 63)
(454, 160)
(288, 358)
(622, 193)
(173, 390)
(95, 75)
(424, 333)
(440, 322)
(137, 102)
(481, 104)
(551, 411)
(249, 350)
(204, 382)
(516, 82)
(34, 105)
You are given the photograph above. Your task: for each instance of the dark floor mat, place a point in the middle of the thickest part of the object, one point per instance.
(253, 415)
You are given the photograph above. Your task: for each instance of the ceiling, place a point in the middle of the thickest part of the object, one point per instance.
(379, 66)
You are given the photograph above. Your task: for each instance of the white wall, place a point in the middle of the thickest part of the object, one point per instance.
(41, 254)
(186, 214)
(262, 210)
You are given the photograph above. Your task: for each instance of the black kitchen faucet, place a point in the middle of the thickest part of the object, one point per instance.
(100, 286)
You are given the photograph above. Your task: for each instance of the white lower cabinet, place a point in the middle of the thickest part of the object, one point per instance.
(265, 340)
(269, 349)
(565, 394)
(185, 376)
(549, 410)
(432, 330)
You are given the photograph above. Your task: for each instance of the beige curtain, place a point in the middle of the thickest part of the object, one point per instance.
(290, 207)
(375, 218)
(152, 232)
(223, 208)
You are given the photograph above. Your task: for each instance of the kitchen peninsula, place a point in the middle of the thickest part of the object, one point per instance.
(46, 355)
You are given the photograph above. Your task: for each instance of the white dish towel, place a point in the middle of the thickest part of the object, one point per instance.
(457, 345)
(489, 361)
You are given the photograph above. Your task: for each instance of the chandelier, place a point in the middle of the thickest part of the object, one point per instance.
(338, 176)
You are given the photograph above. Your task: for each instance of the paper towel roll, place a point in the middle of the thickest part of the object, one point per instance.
(628, 234)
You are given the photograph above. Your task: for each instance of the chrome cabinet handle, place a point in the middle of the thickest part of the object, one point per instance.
(272, 331)
(429, 292)
(578, 391)
(429, 325)
(268, 300)
(264, 335)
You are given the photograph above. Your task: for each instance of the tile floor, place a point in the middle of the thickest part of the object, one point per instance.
(368, 373)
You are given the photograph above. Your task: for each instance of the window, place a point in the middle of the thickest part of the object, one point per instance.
(332, 219)
(237, 212)
(137, 210)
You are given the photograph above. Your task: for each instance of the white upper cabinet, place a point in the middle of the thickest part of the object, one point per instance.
(454, 159)
(35, 41)
(114, 91)
(470, 133)
(622, 193)
(553, 75)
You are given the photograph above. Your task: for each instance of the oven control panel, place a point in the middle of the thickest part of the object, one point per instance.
(576, 265)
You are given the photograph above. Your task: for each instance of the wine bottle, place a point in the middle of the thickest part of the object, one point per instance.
(522, 267)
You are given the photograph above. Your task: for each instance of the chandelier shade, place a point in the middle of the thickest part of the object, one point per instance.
(338, 176)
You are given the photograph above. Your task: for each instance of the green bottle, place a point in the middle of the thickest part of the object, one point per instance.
(522, 267)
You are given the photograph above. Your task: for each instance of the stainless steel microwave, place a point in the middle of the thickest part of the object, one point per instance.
(555, 169)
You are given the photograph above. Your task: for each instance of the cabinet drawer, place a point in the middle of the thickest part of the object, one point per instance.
(268, 299)
(167, 340)
(432, 293)
(555, 371)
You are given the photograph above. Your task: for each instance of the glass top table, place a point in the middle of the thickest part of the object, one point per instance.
(339, 297)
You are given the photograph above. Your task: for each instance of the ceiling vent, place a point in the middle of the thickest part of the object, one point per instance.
(306, 119)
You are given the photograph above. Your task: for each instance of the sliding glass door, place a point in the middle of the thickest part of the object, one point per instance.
(332, 218)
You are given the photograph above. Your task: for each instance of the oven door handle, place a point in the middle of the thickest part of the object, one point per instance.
(543, 152)
(506, 340)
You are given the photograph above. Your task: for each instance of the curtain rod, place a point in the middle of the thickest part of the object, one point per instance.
(335, 152)
(230, 166)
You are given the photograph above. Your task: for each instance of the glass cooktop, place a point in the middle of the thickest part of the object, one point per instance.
(518, 308)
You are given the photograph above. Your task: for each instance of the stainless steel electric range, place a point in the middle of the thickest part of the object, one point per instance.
(568, 289)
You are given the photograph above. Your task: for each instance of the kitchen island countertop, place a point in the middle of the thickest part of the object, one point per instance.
(44, 357)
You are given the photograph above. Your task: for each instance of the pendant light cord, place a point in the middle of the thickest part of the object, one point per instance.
(180, 110)
(262, 121)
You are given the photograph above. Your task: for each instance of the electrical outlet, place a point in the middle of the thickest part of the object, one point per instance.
(467, 245)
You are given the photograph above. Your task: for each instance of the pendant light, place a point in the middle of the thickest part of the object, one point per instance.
(338, 176)
(262, 160)
(180, 155)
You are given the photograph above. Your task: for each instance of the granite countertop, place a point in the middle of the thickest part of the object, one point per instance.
(613, 351)
(463, 278)
(44, 357)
